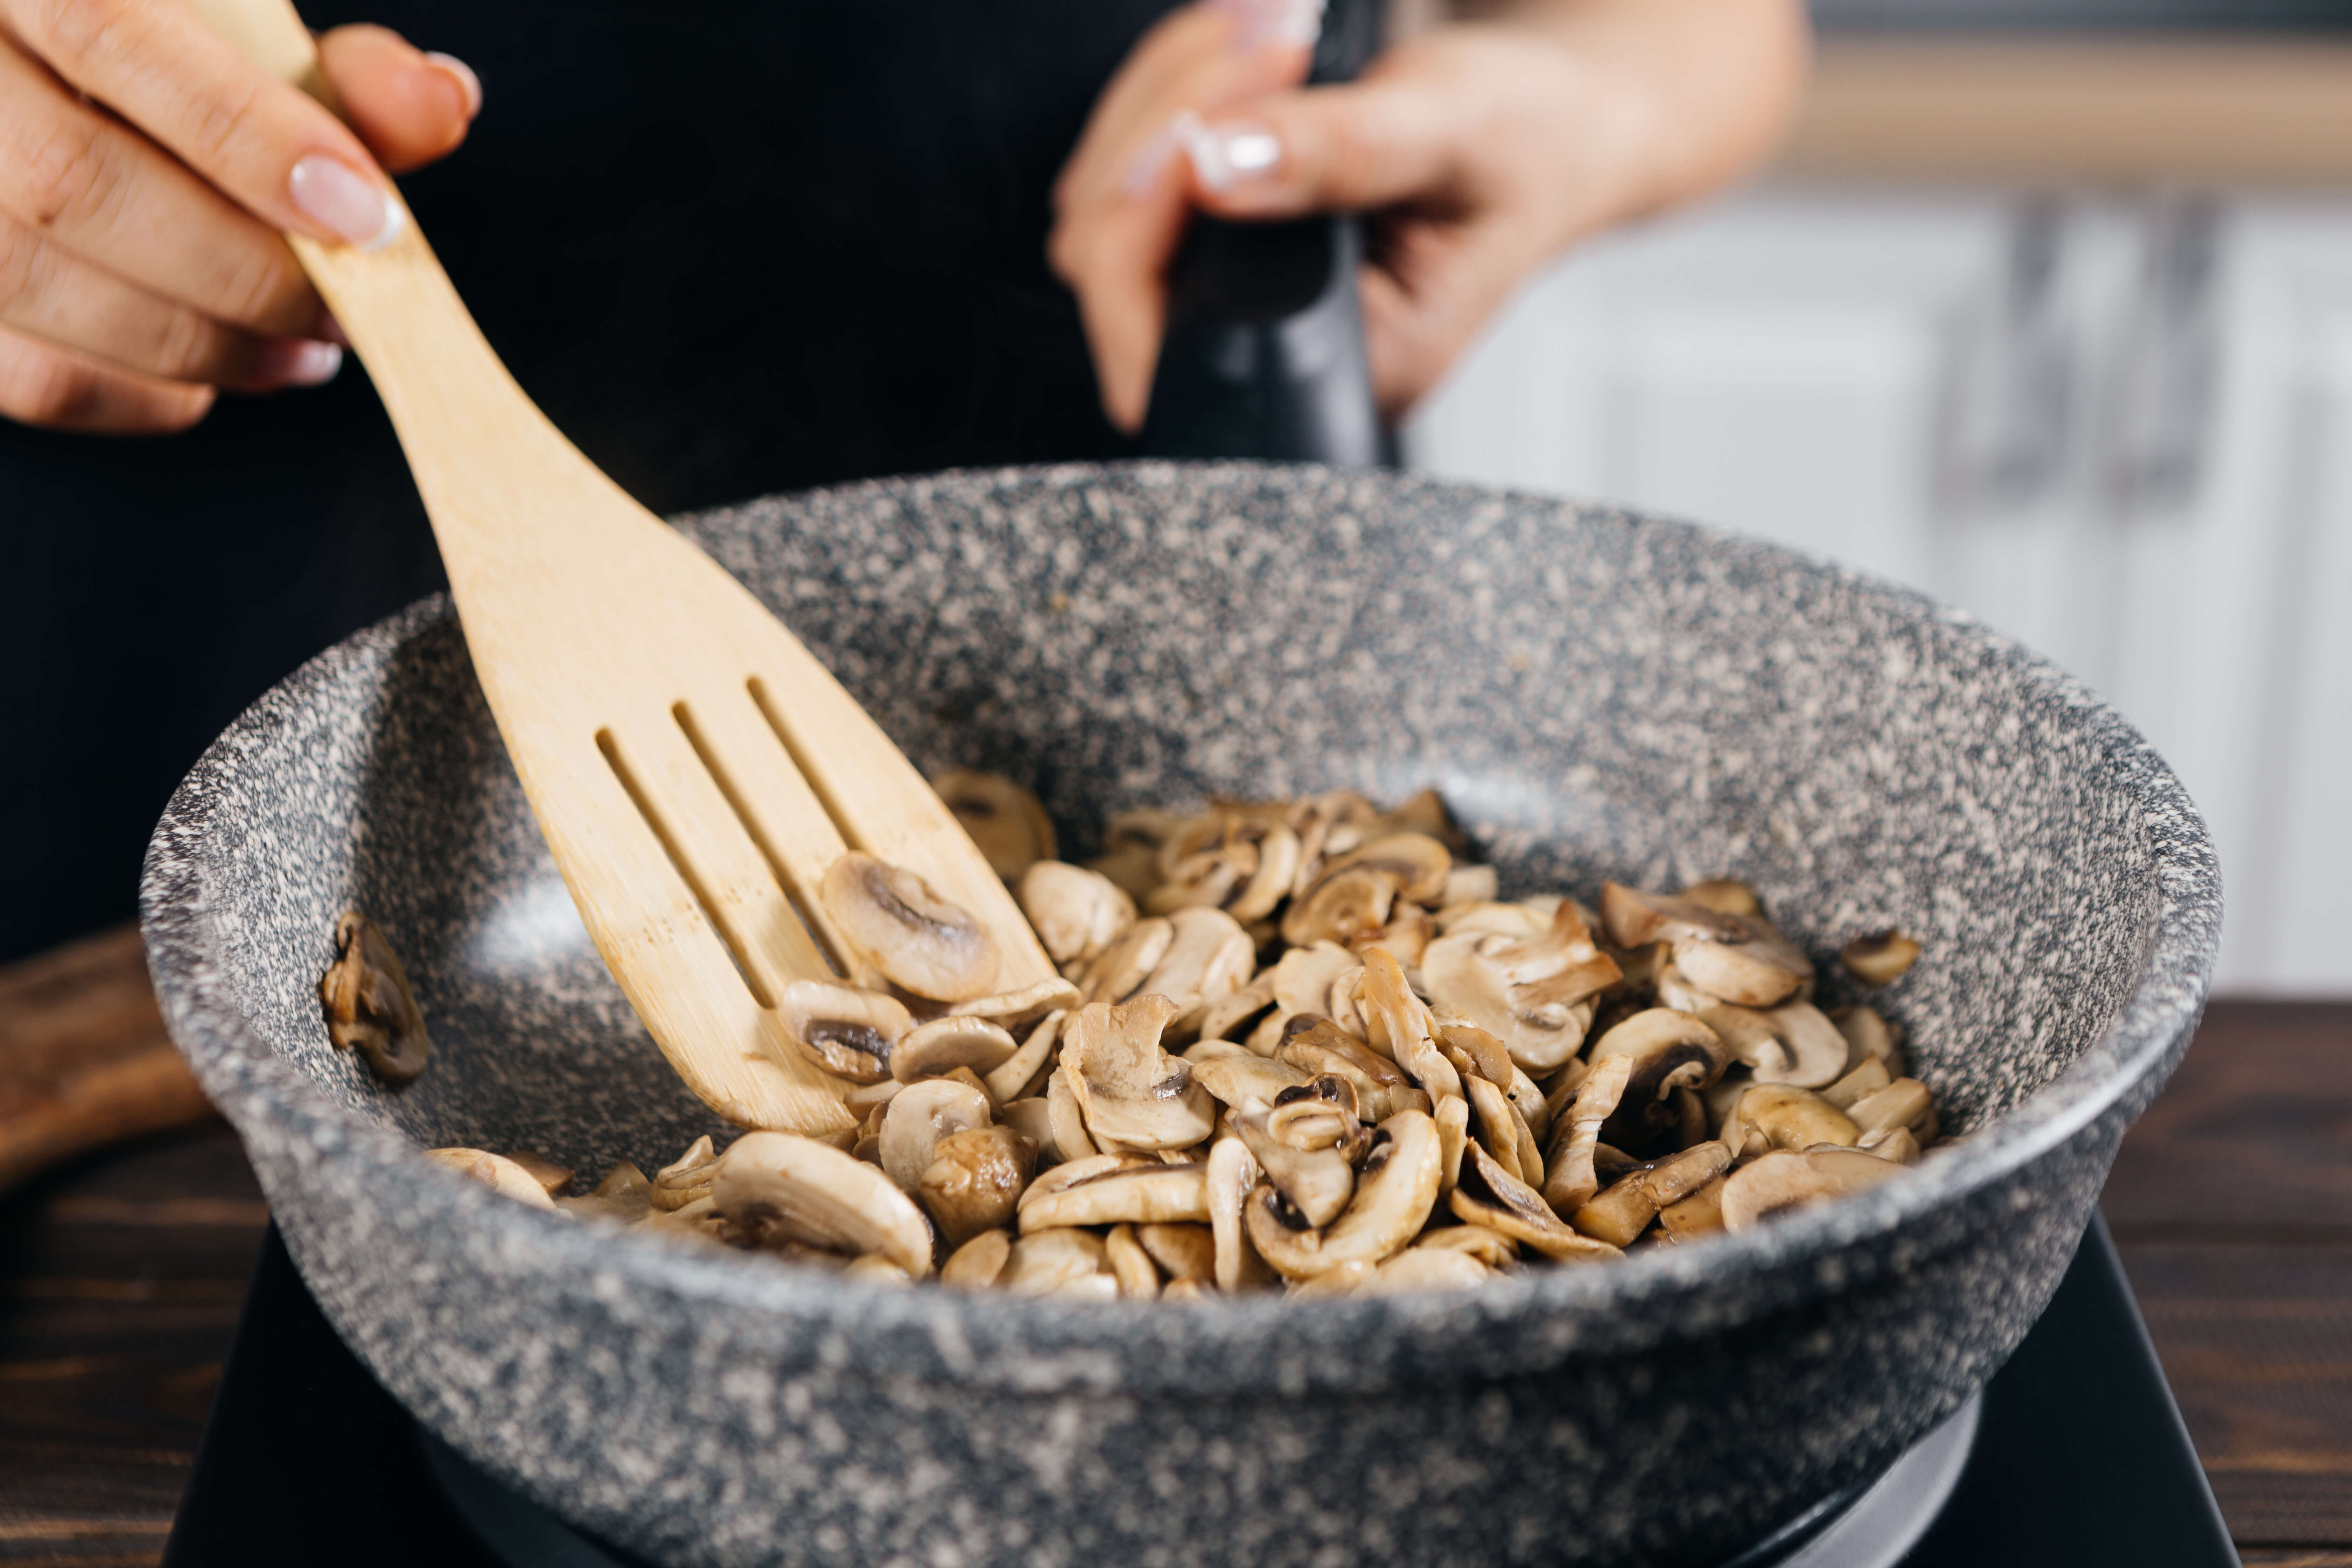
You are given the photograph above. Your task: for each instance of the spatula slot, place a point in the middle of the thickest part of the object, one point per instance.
(847, 821)
(608, 744)
(799, 897)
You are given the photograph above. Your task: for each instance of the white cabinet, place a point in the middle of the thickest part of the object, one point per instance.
(2120, 432)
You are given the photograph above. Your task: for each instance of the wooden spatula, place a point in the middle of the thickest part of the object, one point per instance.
(694, 769)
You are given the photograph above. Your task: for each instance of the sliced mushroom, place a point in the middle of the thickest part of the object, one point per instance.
(1183, 1251)
(1868, 1035)
(1786, 1179)
(1032, 1118)
(1209, 958)
(1491, 1248)
(1237, 1078)
(1130, 1265)
(1895, 1143)
(937, 1048)
(1489, 1195)
(1122, 969)
(1076, 914)
(847, 1030)
(1131, 1090)
(976, 1264)
(1323, 1114)
(552, 1177)
(1407, 935)
(687, 1177)
(1725, 895)
(974, 1180)
(1701, 1214)
(1006, 822)
(1067, 1119)
(779, 1186)
(1317, 1181)
(1469, 885)
(1879, 960)
(1498, 1127)
(922, 1114)
(1016, 1011)
(1624, 1211)
(1008, 1079)
(1453, 1117)
(1131, 1194)
(1304, 976)
(1781, 1116)
(1905, 1102)
(1394, 1193)
(876, 1270)
(1402, 1025)
(1315, 1046)
(1339, 906)
(369, 1006)
(1045, 1262)
(1414, 863)
(1793, 1042)
(1342, 1279)
(1669, 1050)
(1515, 921)
(1230, 1019)
(1425, 1268)
(627, 1195)
(915, 938)
(1232, 1174)
(1532, 993)
(1863, 1080)
(496, 1171)
(1734, 958)
(1572, 1178)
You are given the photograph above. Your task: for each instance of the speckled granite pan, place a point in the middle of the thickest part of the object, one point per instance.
(1596, 693)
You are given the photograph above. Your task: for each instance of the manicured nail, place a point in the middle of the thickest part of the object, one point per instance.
(296, 362)
(345, 202)
(1225, 155)
(1260, 22)
(1152, 162)
(464, 73)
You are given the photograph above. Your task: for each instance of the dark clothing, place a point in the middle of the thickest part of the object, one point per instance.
(730, 249)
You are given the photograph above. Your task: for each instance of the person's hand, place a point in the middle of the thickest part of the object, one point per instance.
(146, 170)
(1479, 150)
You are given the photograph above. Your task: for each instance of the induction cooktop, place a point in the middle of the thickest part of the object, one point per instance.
(2073, 1455)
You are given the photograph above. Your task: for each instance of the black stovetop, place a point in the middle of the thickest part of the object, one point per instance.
(2077, 1457)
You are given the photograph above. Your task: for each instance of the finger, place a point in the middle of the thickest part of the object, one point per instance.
(94, 185)
(1359, 146)
(57, 389)
(56, 296)
(273, 150)
(410, 107)
(1433, 286)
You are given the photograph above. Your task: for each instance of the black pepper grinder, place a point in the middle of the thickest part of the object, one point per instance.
(1264, 350)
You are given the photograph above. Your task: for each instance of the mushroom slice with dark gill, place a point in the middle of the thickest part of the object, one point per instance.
(1669, 1050)
(1317, 1181)
(1130, 1090)
(1395, 1190)
(779, 1187)
(1533, 993)
(1879, 960)
(1004, 820)
(1731, 957)
(918, 1118)
(848, 1031)
(898, 923)
(369, 1006)
(1787, 1179)
(1782, 1116)
(1793, 1042)
(1487, 1194)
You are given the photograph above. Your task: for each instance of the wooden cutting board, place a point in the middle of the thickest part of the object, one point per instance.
(84, 1061)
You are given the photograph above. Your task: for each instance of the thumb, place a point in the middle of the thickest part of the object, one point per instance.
(408, 106)
(1352, 147)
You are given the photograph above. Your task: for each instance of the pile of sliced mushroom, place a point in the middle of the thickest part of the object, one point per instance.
(1296, 1045)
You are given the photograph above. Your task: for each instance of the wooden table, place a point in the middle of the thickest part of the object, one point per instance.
(120, 1276)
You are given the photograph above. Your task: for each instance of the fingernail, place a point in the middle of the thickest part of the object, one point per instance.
(1152, 162)
(1261, 22)
(464, 73)
(1225, 155)
(345, 202)
(297, 361)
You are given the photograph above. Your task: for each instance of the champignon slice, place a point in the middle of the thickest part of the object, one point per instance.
(1863, 1080)
(552, 1177)
(899, 925)
(1076, 914)
(1303, 977)
(1065, 1118)
(1531, 993)
(1006, 822)
(1469, 885)
(1781, 1116)
(625, 1195)
(1407, 935)
(1869, 1036)
(975, 1265)
(1489, 1247)
(1045, 1262)
(1452, 1115)
(1130, 1265)
(1734, 958)
(1620, 1214)
(1879, 960)
(1895, 1143)
(1131, 1090)
(1229, 1019)
(1401, 1025)
(1572, 1178)
(369, 1006)
(1489, 1195)
(848, 1031)
(1009, 1077)
(1325, 1113)
(937, 1048)
(1238, 1078)
(1414, 862)
(1501, 1131)
(780, 1186)
(1233, 1173)
(1725, 895)
(1319, 1047)
(1014, 1011)
(1183, 1251)
(1209, 958)
(1669, 1050)
(974, 1181)
(1394, 1193)
(922, 1114)
(1786, 1179)
(1317, 1181)
(1515, 921)
(1905, 1102)
(1120, 972)
(1423, 1268)
(1131, 1195)
(1793, 1042)
(1701, 1214)
(1339, 906)
(1342, 1279)
(495, 1171)
(687, 1177)
(1032, 1118)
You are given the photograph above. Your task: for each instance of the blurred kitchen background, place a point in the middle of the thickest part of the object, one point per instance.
(2047, 311)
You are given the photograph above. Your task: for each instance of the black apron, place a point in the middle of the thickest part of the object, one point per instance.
(730, 249)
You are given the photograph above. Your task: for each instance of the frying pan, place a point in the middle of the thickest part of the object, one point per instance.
(1597, 694)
